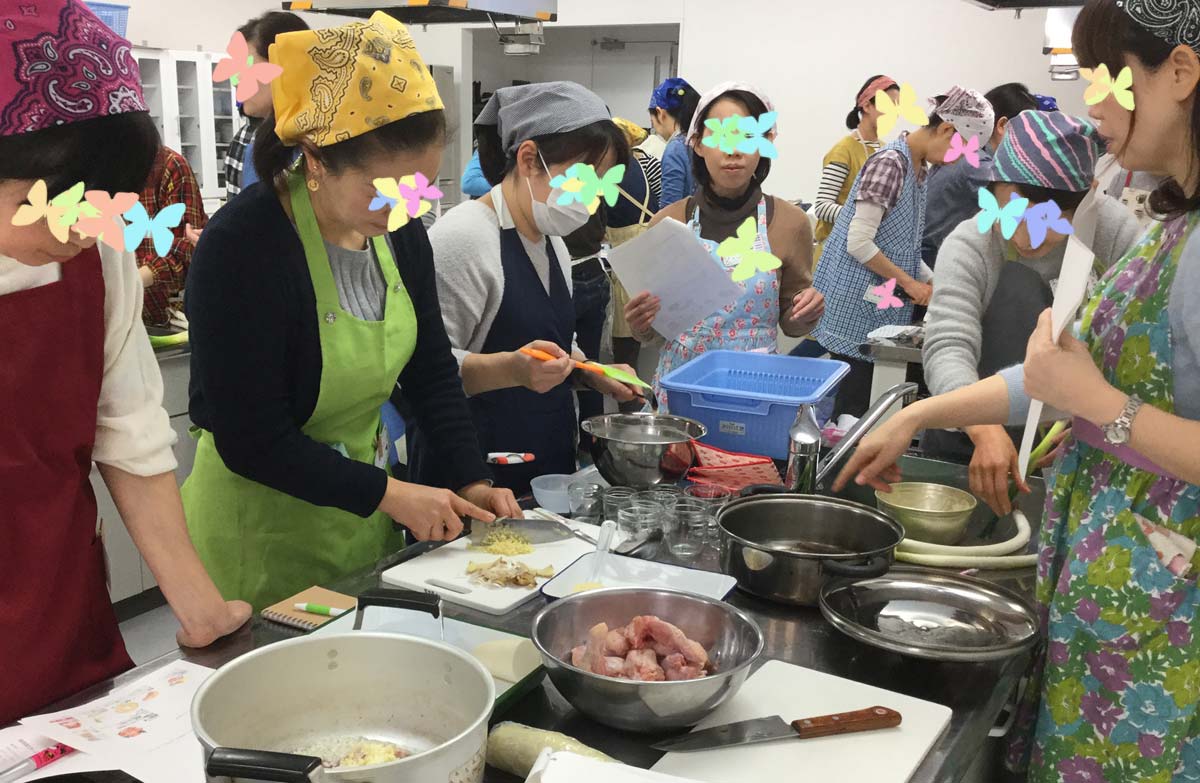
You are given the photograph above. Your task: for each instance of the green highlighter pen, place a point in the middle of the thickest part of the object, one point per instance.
(328, 611)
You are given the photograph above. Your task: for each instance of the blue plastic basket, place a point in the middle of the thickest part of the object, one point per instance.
(114, 15)
(748, 401)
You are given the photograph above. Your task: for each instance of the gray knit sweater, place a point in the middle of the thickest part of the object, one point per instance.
(968, 270)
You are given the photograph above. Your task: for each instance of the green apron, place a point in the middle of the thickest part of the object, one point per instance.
(261, 545)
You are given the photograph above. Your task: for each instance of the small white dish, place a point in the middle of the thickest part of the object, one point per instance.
(621, 571)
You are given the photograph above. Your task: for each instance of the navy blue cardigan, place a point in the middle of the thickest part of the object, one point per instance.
(256, 359)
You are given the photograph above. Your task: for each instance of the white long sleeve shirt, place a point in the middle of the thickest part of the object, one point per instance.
(133, 432)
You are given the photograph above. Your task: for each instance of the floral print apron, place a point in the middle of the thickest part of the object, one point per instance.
(749, 324)
(1114, 695)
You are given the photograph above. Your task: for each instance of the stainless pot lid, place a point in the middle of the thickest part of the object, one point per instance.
(943, 617)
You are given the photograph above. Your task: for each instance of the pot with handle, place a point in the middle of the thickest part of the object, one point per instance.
(785, 547)
(257, 716)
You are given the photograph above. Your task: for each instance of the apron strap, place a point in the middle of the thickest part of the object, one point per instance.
(1090, 434)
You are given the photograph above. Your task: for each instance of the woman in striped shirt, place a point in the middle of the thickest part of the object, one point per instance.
(843, 162)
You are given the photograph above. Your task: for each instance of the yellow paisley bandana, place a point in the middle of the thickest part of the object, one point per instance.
(343, 81)
(634, 133)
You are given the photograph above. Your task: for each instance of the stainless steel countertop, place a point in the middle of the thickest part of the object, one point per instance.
(977, 693)
(889, 351)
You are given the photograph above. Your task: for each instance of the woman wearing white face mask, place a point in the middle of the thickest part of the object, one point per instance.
(504, 277)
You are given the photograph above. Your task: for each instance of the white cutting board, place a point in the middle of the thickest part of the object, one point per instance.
(410, 622)
(448, 564)
(887, 756)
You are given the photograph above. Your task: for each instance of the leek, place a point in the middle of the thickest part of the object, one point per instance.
(168, 340)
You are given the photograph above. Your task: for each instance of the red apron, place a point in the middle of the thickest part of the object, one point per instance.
(58, 632)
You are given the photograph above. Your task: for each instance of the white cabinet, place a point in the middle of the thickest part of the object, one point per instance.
(195, 117)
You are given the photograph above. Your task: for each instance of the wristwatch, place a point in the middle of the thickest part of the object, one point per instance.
(1121, 429)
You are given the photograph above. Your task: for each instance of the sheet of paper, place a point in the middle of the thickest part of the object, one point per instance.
(669, 262)
(1072, 288)
(132, 721)
(179, 761)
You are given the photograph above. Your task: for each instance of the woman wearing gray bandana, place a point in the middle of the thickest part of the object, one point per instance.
(1113, 696)
(504, 278)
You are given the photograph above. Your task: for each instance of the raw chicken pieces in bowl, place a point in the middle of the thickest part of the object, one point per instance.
(649, 649)
(647, 660)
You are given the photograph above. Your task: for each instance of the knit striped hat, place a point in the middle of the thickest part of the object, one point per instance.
(1049, 150)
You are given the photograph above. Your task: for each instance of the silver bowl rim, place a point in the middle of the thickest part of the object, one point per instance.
(587, 426)
(879, 516)
(882, 497)
(936, 652)
(729, 608)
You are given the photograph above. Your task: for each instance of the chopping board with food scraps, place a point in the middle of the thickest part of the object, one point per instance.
(791, 692)
(491, 574)
(512, 660)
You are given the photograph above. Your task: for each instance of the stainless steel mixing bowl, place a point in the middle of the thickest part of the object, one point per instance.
(933, 513)
(642, 450)
(733, 641)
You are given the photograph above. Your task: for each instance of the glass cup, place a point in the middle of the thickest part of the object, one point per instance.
(639, 518)
(614, 499)
(666, 496)
(687, 528)
(715, 498)
(587, 503)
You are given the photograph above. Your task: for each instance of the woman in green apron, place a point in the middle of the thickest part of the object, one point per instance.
(1114, 691)
(307, 314)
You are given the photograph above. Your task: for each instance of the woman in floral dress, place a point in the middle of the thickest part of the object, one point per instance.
(1114, 690)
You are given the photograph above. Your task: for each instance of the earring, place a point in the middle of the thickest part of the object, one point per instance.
(313, 185)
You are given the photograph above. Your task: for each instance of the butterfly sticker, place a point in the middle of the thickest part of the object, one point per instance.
(60, 212)
(750, 261)
(582, 184)
(891, 111)
(1102, 85)
(887, 295)
(1044, 217)
(755, 130)
(107, 224)
(159, 228)
(1009, 217)
(241, 70)
(726, 134)
(967, 150)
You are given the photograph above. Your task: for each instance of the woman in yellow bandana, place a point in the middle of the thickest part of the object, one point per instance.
(306, 312)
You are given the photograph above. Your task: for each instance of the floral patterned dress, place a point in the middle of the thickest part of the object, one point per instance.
(1114, 696)
(749, 324)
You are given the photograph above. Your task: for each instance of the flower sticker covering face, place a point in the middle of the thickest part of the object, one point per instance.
(726, 135)
(750, 261)
(107, 225)
(406, 197)
(755, 132)
(60, 212)
(968, 150)
(1103, 85)
(1009, 217)
(582, 184)
(891, 111)
(241, 70)
(887, 295)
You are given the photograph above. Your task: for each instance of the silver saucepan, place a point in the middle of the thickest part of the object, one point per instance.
(784, 547)
(256, 716)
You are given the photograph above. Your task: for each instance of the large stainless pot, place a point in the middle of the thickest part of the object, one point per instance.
(784, 547)
(428, 697)
(642, 450)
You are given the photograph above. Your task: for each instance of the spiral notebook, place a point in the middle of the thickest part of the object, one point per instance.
(285, 611)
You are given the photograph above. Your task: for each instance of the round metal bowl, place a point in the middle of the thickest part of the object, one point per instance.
(942, 617)
(785, 547)
(933, 513)
(642, 450)
(733, 641)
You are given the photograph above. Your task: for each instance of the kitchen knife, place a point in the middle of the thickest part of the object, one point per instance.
(749, 732)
